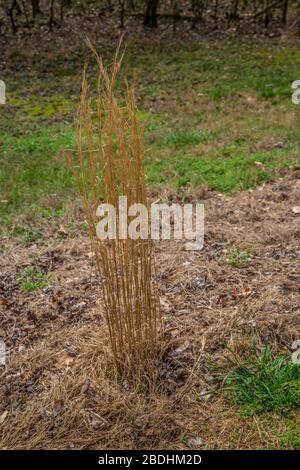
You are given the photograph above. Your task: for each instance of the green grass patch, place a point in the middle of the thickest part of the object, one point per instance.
(33, 279)
(33, 169)
(32, 235)
(264, 383)
(289, 440)
(236, 258)
(239, 172)
(27, 235)
(182, 139)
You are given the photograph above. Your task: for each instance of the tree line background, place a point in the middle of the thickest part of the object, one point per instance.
(16, 15)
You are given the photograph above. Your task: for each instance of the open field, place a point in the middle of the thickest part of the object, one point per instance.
(206, 124)
(220, 128)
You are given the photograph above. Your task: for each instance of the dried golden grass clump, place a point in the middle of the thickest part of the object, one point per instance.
(111, 164)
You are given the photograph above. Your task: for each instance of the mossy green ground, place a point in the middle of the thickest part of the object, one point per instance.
(214, 115)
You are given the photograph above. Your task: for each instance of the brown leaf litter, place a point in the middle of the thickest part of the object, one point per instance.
(58, 389)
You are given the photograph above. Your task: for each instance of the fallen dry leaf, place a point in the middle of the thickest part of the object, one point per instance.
(195, 442)
(85, 386)
(3, 416)
(65, 361)
(96, 421)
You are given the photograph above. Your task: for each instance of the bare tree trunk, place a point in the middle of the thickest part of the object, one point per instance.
(216, 11)
(62, 5)
(109, 6)
(10, 13)
(25, 13)
(122, 4)
(285, 8)
(51, 15)
(35, 5)
(131, 4)
(18, 8)
(298, 19)
(233, 15)
(150, 18)
(176, 14)
(198, 7)
(267, 14)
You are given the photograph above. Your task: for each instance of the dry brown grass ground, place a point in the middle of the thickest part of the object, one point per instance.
(58, 391)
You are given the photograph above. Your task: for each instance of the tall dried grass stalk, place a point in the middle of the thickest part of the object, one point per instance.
(111, 163)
